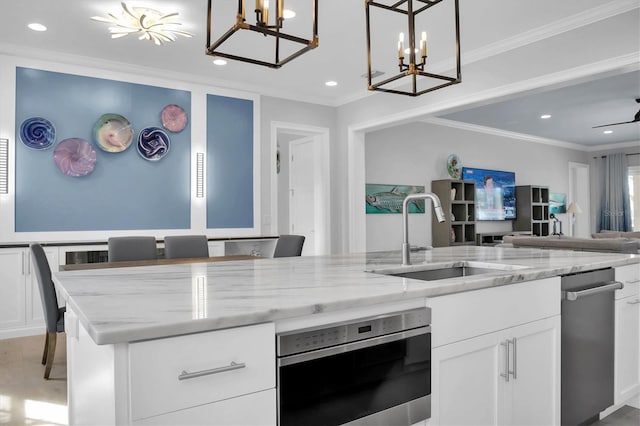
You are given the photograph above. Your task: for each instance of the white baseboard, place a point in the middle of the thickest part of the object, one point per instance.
(22, 332)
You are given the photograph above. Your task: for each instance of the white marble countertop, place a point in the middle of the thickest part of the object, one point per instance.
(138, 303)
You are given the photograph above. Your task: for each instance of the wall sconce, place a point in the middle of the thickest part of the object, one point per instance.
(416, 56)
(4, 166)
(267, 26)
(199, 175)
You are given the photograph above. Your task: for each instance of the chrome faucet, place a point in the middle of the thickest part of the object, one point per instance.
(437, 208)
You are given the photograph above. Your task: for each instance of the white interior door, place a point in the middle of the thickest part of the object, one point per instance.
(302, 192)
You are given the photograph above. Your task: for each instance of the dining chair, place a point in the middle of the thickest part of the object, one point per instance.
(289, 245)
(183, 246)
(53, 314)
(131, 248)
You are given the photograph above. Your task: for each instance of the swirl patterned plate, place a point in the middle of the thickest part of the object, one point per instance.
(75, 157)
(113, 133)
(153, 143)
(37, 133)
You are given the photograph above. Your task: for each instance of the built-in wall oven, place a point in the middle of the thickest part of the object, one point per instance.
(373, 371)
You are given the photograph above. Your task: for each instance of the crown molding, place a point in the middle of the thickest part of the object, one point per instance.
(552, 29)
(503, 133)
(608, 147)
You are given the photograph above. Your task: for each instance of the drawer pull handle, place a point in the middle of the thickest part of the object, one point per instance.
(634, 302)
(233, 366)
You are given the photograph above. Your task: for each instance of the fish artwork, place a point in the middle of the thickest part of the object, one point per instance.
(391, 201)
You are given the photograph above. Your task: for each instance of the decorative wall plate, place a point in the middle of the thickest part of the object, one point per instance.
(153, 143)
(113, 133)
(454, 166)
(75, 157)
(174, 118)
(37, 133)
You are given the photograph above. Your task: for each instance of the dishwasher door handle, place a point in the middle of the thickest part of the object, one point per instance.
(575, 295)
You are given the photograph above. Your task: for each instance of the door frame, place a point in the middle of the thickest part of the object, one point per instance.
(573, 193)
(322, 179)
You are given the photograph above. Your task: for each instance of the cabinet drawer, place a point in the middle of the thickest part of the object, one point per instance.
(460, 316)
(257, 409)
(629, 275)
(156, 365)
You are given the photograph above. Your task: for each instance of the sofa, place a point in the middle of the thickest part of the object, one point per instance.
(612, 242)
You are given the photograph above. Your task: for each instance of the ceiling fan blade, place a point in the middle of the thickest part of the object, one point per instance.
(615, 124)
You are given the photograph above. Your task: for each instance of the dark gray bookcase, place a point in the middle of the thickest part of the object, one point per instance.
(459, 227)
(532, 209)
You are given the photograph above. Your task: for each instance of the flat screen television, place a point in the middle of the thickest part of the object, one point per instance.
(495, 193)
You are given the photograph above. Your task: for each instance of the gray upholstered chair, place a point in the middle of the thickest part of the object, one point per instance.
(131, 248)
(53, 315)
(289, 245)
(183, 246)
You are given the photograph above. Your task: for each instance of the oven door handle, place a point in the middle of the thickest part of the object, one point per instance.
(348, 347)
(575, 295)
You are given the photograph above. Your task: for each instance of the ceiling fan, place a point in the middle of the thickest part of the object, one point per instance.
(636, 119)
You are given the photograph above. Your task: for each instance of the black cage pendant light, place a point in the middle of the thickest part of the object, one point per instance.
(412, 58)
(269, 22)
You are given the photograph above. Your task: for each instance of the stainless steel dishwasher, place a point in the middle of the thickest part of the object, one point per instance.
(587, 345)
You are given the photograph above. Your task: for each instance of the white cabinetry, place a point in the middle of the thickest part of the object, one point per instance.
(20, 305)
(12, 284)
(498, 361)
(627, 334)
(223, 377)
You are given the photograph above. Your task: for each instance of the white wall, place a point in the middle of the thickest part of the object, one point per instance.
(416, 154)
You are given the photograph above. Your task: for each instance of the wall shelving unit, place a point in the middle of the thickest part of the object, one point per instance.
(532, 209)
(458, 198)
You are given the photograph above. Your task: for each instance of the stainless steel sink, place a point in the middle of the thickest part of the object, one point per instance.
(440, 274)
(458, 269)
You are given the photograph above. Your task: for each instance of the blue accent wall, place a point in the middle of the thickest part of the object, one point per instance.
(229, 162)
(125, 191)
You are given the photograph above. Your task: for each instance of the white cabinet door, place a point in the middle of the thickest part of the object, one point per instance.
(257, 409)
(468, 380)
(533, 395)
(13, 269)
(627, 347)
(464, 382)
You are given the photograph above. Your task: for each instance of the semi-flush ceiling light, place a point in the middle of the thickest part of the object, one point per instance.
(150, 24)
(421, 80)
(219, 62)
(37, 27)
(545, 116)
(269, 22)
(608, 132)
(331, 83)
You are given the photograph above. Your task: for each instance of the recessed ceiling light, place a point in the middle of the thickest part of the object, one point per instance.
(219, 62)
(331, 83)
(608, 132)
(288, 14)
(37, 27)
(545, 116)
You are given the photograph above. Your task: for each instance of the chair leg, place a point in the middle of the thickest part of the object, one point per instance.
(46, 347)
(51, 350)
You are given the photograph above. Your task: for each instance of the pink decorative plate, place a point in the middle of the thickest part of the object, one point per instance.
(75, 157)
(174, 118)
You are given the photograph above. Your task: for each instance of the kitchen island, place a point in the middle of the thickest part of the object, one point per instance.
(122, 320)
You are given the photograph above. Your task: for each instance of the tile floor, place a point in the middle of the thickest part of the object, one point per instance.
(27, 399)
